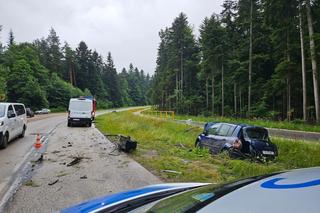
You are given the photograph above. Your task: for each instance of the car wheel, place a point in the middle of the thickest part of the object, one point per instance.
(69, 124)
(225, 152)
(89, 124)
(23, 132)
(198, 144)
(4, 142)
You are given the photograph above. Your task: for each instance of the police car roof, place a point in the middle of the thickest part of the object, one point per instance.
(292, 191)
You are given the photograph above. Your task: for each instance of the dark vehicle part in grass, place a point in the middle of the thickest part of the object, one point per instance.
(238, 140)
(122, 143)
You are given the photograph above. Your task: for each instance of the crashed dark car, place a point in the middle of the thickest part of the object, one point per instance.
(238, 140)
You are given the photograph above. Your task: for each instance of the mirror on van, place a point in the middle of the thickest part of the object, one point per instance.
(11, 114)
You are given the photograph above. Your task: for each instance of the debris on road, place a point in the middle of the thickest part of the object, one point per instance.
(53, 182)
(31, 183)
(76, 160)
(84, 177)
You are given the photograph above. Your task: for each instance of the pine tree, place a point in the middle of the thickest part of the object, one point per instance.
(11, 38)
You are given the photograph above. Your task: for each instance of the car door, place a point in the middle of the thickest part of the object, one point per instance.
(20, 112)
(12, 124)
(210, 136)
(222, 135)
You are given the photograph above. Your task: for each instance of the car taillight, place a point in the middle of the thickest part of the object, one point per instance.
(237, 144)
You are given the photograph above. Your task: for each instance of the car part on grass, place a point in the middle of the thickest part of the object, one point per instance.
(171, 171)
(122, 143)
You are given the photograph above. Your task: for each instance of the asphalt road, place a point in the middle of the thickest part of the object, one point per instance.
(51, 184)
(12, 158)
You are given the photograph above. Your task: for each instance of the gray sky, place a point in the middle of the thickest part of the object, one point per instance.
(127, 28)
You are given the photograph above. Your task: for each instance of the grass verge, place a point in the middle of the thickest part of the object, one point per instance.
(293, 125)
(165, 145)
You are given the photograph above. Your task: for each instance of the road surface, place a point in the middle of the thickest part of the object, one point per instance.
(52, 183)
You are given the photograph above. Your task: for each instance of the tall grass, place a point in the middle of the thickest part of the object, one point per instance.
(293, 125)
(165, 145)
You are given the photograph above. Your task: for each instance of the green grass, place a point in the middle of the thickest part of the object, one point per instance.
(165, 145)
(293, 125)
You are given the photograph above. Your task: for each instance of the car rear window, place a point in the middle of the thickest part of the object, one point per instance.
(255, 133)
(2, 110)
(19, 109)
(80, 106)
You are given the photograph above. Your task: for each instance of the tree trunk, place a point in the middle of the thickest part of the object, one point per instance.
(313, 61)
(207, 95)
(235, 98)
(222, 89)
(288, 80)
(240, 102)
(74, 75)
(250, 60)
(303, 67)
(70, 74)
(181, 64)
(212, 91)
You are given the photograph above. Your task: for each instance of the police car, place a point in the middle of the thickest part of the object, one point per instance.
(291, 191)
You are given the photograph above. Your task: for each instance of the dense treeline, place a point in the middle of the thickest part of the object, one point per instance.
(255, 59)
(46, 74)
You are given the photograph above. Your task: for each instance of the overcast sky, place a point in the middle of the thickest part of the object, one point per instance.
(127, 28)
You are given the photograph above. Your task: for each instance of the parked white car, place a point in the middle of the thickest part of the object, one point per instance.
(13, 122)
(43, 111)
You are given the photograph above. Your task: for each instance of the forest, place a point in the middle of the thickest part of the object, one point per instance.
(46, 73)
(256, 59)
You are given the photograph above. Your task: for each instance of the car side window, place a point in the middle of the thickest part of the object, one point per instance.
(11, 112)
(231, 129)
(213, 130)
(223, 131)
(19, 109)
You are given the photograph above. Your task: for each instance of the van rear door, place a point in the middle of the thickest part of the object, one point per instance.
(80, 108)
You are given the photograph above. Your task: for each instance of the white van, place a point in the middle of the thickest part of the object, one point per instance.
(13, 122)
(80, 112)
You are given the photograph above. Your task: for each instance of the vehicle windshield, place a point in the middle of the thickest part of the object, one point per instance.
(255, 133)
(2, 110)
(80, 106)
(193, 200)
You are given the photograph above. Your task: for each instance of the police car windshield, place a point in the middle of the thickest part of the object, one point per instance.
(195, 199)
(255, 133)
(2, 110)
